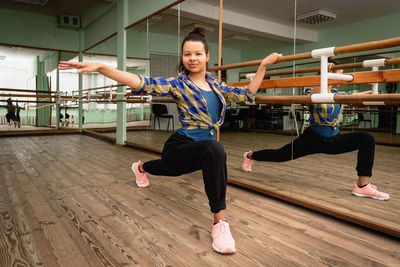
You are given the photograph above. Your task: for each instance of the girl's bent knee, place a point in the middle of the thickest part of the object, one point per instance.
(214, 148)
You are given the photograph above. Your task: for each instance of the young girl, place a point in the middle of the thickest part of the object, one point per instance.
(201, 102)
(323, 137)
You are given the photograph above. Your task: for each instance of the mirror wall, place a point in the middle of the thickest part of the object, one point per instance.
(320, 179)
(26, 73)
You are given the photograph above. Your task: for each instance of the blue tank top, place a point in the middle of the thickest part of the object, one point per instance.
(214, 107)
(327, 131)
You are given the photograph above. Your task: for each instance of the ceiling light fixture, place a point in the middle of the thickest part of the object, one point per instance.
(238, 37)
(316, 16)
(190, 27)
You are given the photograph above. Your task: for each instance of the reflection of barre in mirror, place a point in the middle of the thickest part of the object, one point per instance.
(323, 134)
(201, 102)
(374, 77)
(364, 64)
(336, 51)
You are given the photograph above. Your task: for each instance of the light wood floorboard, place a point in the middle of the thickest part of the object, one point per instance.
(325, 180)
(71, 200)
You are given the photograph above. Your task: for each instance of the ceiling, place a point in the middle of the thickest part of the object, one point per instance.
(277, 13)
(281, 11)
(53, 7)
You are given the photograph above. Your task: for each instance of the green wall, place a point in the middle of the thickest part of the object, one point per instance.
(104, 26)
(28, 29)
(365, 31)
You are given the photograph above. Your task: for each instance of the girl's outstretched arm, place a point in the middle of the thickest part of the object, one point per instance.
(129, 79)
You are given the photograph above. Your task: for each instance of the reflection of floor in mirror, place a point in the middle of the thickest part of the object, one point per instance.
(74, 126)
(71, 200)
(324, 179)
(108, 125)
(23, 128)
(154, 139)
(386, 137)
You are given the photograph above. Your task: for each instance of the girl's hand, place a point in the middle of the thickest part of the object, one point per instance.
(271, 59)
(330, 65)
(80, 66)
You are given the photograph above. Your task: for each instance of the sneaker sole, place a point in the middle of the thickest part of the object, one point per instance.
(226, 251)
(138, 185)
(243, 169)
(367, 196)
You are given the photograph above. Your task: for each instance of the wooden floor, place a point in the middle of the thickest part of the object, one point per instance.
(325, 180)
(6, 128)
(71, 200)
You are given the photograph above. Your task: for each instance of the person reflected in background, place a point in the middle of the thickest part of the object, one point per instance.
(17, 116)
(72, 120)
(10, 116)
(66, 117)
(323, 136)
(61, 117)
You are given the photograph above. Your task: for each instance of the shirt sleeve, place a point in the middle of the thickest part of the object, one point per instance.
(237, 94)
(307, 91)
(336, 91)
(156, 86)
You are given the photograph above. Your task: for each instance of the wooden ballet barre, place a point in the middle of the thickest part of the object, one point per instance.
(348, 99)
(101, 87)
(29, 101)
(164, 100)
(37, 96)
(26, 91)
(362, 100)
(381, 76)
(371, 111)
(28, 96)
(338, 50)
(317, 69)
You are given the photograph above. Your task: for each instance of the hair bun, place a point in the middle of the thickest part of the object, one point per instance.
(199, 30)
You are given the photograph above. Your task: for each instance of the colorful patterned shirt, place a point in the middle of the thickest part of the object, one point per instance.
(326, 114)
(191, 104)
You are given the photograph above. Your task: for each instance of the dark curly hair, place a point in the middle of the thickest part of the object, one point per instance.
(331, 60)
(197, 34)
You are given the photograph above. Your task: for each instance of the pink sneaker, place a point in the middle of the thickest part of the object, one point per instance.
(370, 191)
(141, 178)
(247, 163)
(223, 241)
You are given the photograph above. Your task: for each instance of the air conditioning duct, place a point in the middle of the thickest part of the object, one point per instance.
(69, 21)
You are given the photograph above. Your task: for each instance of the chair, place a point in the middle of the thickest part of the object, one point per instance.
(160, 111)
(363, 122)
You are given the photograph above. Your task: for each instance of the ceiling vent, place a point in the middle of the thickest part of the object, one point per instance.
(33, 2)
(316, 16)
(69, 21)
